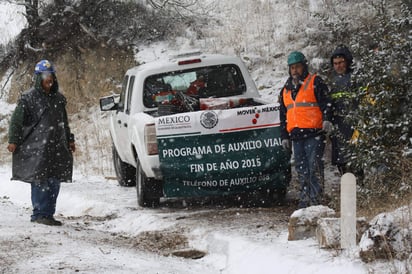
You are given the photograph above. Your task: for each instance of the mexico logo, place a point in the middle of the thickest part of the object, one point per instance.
(208, 119)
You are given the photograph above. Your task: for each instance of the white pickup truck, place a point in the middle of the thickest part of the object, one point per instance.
(195, 125)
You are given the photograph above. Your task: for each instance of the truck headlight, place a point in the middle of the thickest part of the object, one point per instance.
(150, 139)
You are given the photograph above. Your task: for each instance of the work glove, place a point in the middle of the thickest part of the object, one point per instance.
(327, 127)
(286, 144)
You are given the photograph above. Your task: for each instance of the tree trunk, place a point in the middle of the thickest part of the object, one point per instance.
(33, 20)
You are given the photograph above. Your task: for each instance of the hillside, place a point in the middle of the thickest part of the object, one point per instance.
(92, 46)
(92, 43)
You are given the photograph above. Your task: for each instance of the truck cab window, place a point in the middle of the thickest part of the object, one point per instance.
(123, 94)
(154, 85)
(129, 94)
(210, 81)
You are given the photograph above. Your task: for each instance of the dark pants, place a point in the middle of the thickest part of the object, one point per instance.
(340, 141)
(309, 167)
(43, 198)
(341, 152)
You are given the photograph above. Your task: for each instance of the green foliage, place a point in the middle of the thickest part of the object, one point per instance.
(385, 113)
(381, 44)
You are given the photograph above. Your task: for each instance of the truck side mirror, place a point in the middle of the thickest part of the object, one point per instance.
(108, 103)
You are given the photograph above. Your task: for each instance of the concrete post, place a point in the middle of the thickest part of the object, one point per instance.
(348, 211)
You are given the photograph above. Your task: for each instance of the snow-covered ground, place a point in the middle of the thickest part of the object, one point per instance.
(11, 21)
(102, 223)
(105, 232)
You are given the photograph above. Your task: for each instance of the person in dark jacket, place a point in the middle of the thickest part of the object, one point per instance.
(305, 118)
(42, 143)
(343, 94)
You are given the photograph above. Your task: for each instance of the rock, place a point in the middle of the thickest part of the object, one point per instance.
(328, 231)
(189, 254)
(361, 226)
(303, 222)
(389, 236)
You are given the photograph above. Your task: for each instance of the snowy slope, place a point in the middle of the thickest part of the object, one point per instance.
(11, 21)
(101, 219)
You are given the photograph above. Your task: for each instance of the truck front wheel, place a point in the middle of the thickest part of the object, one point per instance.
(148, 190)
(125, 173)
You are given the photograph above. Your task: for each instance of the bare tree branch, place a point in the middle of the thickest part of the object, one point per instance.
(28, 46)
(87, 31)
(5, 84)
(160, 4)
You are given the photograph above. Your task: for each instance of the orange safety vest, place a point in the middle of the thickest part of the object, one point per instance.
(304, 111)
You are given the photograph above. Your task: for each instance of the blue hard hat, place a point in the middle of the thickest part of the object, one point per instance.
(44, 66)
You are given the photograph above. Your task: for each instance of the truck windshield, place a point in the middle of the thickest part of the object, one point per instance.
(202, 82)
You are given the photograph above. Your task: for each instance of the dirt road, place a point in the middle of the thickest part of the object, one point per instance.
(106, 231)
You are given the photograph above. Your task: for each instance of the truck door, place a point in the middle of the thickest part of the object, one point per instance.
(121, 122)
